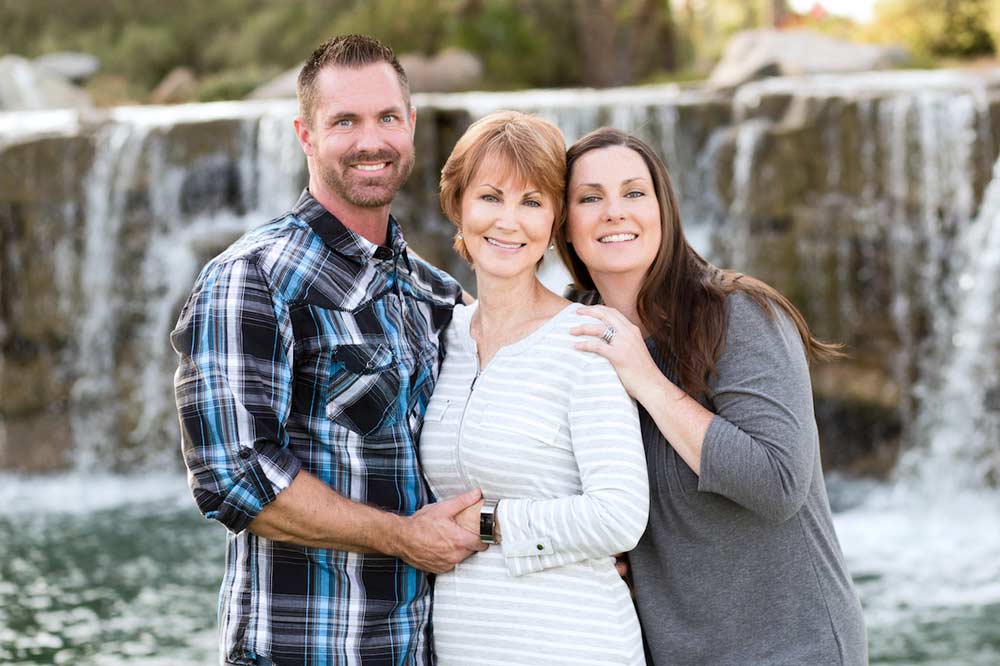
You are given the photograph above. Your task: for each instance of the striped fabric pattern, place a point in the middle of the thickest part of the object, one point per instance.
(304, 346)
(550, 432)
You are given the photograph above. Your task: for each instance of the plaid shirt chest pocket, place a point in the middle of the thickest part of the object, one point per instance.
(364, 387)
(345, 368)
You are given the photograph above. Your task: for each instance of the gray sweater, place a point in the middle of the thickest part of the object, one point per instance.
(741, 566)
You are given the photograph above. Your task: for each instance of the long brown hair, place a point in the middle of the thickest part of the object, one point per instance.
(682, 300)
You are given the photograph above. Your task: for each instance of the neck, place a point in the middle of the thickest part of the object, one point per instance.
(621, 292)
(370, 223)
(504, 302)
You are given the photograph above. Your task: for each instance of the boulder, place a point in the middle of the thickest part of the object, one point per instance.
(280, 87)
(179, 86)
(450, 70)
(25, 86)
(754, 54)
(77, 68)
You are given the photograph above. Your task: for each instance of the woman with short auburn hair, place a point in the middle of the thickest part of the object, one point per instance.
(546, 431)
(740, 563)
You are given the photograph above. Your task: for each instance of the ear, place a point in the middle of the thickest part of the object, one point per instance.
(302, 132)
(413, 121)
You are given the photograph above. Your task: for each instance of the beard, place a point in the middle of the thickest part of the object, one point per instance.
(361, 190)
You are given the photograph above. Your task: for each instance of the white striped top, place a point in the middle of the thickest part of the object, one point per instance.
(550, 432)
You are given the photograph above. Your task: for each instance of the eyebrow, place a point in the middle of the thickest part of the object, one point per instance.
(497, 189)
(599, 186)
(350, 115)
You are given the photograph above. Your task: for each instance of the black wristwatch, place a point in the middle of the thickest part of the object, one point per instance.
(487, 521)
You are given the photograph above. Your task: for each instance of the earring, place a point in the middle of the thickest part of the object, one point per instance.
(460, 236)
(552, 246)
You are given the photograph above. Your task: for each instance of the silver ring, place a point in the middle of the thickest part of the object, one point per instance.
(609, 334)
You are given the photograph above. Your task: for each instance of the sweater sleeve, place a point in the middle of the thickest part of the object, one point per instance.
(761, 446)
(609, 516)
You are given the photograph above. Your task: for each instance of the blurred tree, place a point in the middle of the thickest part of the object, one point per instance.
(955, 28)
(779, 12)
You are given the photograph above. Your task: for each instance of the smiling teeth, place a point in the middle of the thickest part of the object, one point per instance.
(618, 238)
(506, 246)
(370, 167)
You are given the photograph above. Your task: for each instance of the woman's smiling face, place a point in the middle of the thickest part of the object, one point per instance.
(613, 215)
(506, 225)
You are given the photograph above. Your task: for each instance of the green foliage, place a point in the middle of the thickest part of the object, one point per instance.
(936, 28)
(232, 45)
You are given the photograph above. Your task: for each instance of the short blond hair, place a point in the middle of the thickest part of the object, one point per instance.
(528, 148)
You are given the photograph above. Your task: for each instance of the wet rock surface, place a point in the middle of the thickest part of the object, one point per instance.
(847, 193)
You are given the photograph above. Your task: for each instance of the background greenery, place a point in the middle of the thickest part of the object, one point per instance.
(234, 45)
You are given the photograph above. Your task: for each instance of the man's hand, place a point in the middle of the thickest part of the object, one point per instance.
(433, 541)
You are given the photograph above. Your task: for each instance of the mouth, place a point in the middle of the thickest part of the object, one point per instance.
(504, 246)
(617, 238)
(371, 167)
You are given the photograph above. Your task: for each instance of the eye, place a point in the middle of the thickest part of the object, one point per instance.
(533, 203)
(388, 118)
(490, 198)
(590, 198)
(635, 194)
(343, 122)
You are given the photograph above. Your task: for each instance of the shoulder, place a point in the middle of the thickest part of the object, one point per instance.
(759, 332)
(432, 282)
(746, 316)
(272, 248)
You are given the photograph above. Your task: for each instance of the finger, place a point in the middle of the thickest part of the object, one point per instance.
(595, 311)
(470, 542)
(596, 346)
(454, 505)
(588, 329)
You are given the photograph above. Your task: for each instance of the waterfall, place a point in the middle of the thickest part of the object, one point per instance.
(960, 422)
(856, 195)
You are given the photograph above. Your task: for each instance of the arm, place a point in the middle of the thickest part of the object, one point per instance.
(759, 449)
(233, 389)
(310, 513)
(609, 516)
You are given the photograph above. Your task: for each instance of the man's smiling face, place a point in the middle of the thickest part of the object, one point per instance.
(361, 134)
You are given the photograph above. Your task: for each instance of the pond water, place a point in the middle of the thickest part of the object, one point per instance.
(123, 570)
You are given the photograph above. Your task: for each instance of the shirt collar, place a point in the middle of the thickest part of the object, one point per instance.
(343, 241)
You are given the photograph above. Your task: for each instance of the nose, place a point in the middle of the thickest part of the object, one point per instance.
(369, 139)
(507, 219)
(614, 211)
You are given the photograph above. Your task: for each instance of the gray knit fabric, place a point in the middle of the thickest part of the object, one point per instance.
(741, 566)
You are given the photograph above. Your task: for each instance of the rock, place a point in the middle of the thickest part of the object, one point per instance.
(75, 67)
(280, 87)
(178, 87)
(450, 70)
(27, 87)
(754, 54)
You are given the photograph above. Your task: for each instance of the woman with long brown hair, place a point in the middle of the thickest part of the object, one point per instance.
(739, 563)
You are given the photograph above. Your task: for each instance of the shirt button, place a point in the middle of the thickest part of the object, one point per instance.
(245, 453)
(382, 252)
(539, 546)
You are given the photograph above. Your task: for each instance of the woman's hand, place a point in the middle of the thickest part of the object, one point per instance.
(627, 351)
(469, 517)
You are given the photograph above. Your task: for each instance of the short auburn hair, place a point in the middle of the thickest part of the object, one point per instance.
(525, 147)
(353, 51)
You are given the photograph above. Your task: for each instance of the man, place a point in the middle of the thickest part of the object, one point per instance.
(308, 350)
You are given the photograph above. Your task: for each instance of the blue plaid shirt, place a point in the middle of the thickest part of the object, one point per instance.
(305, 346)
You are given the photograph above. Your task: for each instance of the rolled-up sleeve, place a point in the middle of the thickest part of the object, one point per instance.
(610, 514)
(233, 391)
(761, 446)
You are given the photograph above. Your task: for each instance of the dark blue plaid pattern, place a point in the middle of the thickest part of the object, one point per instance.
(305, 346)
